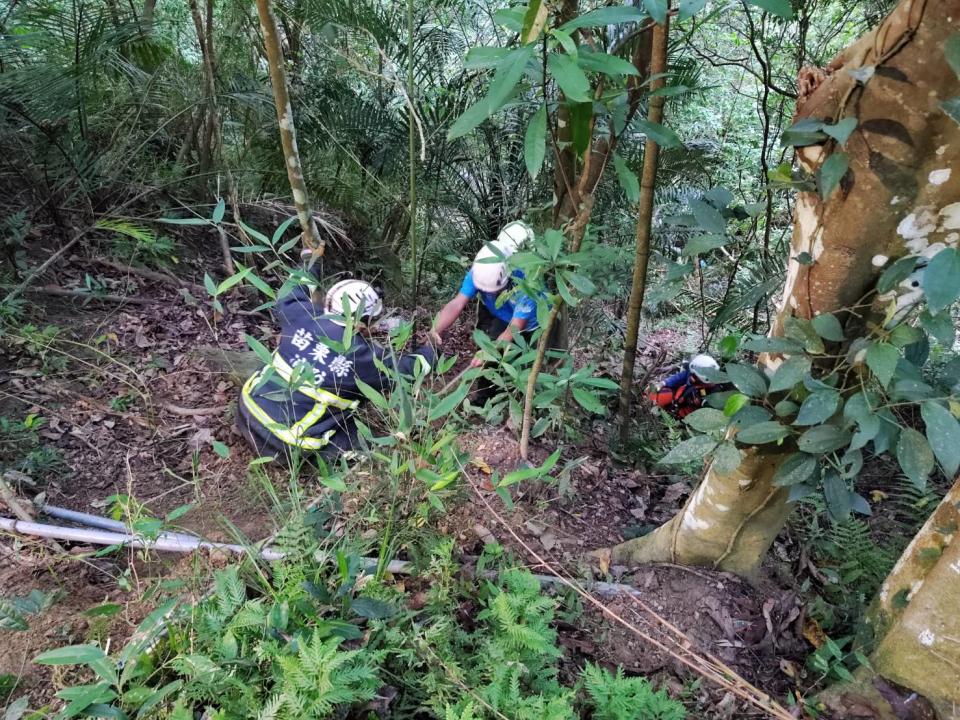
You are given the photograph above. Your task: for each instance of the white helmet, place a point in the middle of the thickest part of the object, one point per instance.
(704, 367)
(490, 271)
(356, 293)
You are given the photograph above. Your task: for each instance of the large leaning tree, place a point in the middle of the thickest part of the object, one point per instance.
(873, 272)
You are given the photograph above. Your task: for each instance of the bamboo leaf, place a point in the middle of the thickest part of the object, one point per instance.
(662, 136)
(943, 433)
(602, 16)
(535, 142)
(628, 179)
(569, 77)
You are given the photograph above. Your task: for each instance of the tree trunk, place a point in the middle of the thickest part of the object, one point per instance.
(915, 618)
(648, 181)
(288, 134)
(887, 205)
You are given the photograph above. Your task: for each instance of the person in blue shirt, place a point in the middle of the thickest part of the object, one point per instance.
(504, 309)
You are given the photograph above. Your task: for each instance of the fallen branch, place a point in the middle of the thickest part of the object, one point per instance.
(57, 291)
(195, 412)
(18, 290)
(146, 273)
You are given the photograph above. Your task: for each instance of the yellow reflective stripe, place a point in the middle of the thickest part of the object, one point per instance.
(290, 436)
(314, 393)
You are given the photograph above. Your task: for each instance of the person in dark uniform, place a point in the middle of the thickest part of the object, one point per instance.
(303, 402)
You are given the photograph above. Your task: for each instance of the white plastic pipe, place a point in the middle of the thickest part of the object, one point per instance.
(104, 537)
(103, 523)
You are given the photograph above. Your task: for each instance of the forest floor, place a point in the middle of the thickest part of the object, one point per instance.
(131, 408)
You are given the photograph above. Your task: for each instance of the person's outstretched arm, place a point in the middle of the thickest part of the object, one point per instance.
(449, 313)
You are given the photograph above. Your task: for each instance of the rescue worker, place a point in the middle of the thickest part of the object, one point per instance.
(303, 401)
(504, 309)
(685, 391)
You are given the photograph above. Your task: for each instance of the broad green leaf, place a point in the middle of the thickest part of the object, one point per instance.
(605, 63)
(903, 335)
(17, 708)
(449, 403)
(689, 8)
(800, 491)
(588, 401)
(609, 15)
(221, 449)
(785, 408)
(895, 274)
(726, 458)
(943, 432)
(882, 359)
(842, 130)
(566, 41)
(529, 473)
(763, 432)
(828, 327)
(670, 91)
(483, 57)
(569, 77)
(706, 420)
(939, 326)
(372, 394)
(510, 18)
(915, 456)
(831, 172)
(657, 10)
(373, 609)
(952, 108)
(823, 439)
(941, 279)
(628, 179)
(780, 8)
(735, 403)
(837, 496)
(798, 468)
(662, 136)
(158, 697)
(264, 355)
(951, 50)
(708, 217)
(535, 142)
(818, 407)
(748, 415)
(702, 244)
(801, 330)
(505, 79)
(689, 450)
(675, 271)
(747, 380)
(859, 504)
(534, 20)
(219, 211)
(582, 283)
(580, 126)
(790, 373)
(761, 343)
(71, 655)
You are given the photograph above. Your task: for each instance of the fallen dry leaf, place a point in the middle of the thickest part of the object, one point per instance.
(481, 465)
(813, 633)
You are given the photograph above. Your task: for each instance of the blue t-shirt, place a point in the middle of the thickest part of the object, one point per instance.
(516, 305)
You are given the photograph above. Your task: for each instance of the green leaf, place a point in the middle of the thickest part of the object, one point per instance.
(761, 343)
(582, 283)
(609, 15)
(373, 609)
(484, 57)
(798, 468)
(780, 8)
(801, 330)
(219, 211)
(221, 449)
(17, 708)
(449, 403)
(708, 217)
(790, 373)
(505, 79)
(896, 273)
(837, 496)
(183, 221)
(800, 491)
(747, 380)
(662, 136)
(941, 279)
(689, 8)
(882, 359)
(264, 355)
(670, 91)
(702, 244)
(828, 327)
(763, 432)
(939, 326)
(706, 420)
(823, 439)
(785, 408)
(943, 433)
(234, 279)
(210, 285)
(657, 10)
(589, 402)
(735, 403)
(915, 456)
(689, 450)
(842, 130)
(726, 458)
(569, 77)
(71, 655)
(580, 116)
(104, 610)
(534, 142)
(512, 478)
(628, 179)
(818, 407)
(831, 172)
(951, 50)
(510, 18)
(605, 63)
(372, 394)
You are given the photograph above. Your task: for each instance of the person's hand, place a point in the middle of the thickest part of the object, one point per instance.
(477, 361)
(434, 337)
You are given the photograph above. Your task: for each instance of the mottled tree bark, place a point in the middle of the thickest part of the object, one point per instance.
(288, 134)
(899, 197)
(917, 625)
(648, 181)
